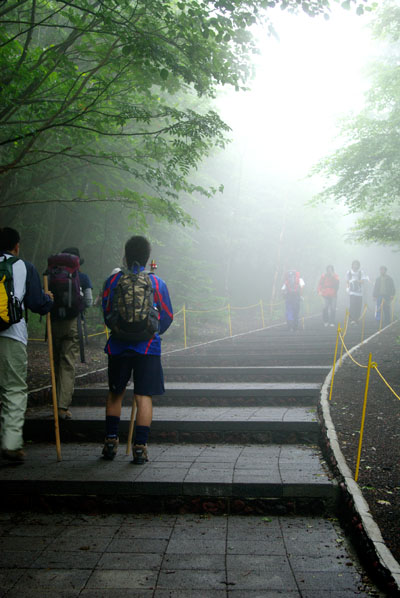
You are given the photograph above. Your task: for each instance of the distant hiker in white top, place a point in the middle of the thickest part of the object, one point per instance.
(356, 280)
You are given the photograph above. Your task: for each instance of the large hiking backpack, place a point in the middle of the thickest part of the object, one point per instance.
(132, 315)
(10, 305)
(293, 282)
(354, 279)
(64, 283)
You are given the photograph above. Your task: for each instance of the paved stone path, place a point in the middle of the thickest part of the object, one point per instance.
(237, 433)
(175, 556)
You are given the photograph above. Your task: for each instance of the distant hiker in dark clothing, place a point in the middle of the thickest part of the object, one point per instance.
(384, 292)
(72, 295)
(327, 289)
(27, 290)
(136, 305)
(356, 280)
(292, 289)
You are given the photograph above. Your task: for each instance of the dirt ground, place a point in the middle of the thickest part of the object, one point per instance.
(379, 473)
(39, 368)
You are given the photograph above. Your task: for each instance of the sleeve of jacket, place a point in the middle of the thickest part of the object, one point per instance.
(163, 302)
(35, 298)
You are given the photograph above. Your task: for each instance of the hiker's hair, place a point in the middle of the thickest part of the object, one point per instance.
(137, 249)
(9, 237)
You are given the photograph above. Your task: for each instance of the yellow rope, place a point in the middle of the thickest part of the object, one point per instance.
(247, 306)
(206, 311)
(96, 333)
(349, 354)
(375, 367)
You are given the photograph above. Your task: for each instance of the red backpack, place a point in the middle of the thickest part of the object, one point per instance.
(64, 283)
(292, 281)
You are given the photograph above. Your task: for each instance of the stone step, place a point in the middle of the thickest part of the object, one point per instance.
(216, 394)
(261, 425)
(278, 473)
(241, 359)
(289, 373)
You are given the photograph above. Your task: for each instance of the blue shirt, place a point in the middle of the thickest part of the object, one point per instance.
(163, 303)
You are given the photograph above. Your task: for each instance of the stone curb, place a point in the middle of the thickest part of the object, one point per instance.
(363, 524)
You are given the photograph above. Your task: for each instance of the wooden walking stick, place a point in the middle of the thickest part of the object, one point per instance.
(131, 426)
(53, 377)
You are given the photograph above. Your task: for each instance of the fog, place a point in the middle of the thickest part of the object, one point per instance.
(263, 224)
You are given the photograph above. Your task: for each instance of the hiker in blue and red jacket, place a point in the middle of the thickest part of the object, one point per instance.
(292, 288)
(142, 357)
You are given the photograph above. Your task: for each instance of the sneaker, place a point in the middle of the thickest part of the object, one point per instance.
(140, 456)
(64, 413)
(17, 456)
(326, 324)
(110, 448)
(331, 324)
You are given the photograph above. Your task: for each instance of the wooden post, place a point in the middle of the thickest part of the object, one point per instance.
(229, 319)
(184, 325)
(364, 410)
(334, 361)
(53, 377)
(262, 313)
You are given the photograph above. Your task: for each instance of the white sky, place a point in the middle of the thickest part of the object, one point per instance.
(304, 82)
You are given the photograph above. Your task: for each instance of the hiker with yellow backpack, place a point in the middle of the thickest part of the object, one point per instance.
(20, 290)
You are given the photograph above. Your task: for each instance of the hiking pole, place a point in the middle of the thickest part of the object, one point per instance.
(131, 426)
(80, 335)
(53, 376)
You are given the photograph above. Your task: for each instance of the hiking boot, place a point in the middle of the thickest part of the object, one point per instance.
(64, 413)
(110, 448)
(17, 456)
(140, 456)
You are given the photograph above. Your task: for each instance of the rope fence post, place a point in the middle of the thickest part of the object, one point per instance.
(262, 313)
(363, 323)
(334, 361)
(346, 323)
(370, 365)
(381, 314)
(184, 325)
(229, 319)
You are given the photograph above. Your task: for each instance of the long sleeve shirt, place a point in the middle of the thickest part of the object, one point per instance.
(163, 303)
(28, 289)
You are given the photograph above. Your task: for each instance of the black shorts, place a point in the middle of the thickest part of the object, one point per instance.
(148, 377)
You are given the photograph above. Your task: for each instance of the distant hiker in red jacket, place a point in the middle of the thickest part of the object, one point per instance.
(327, 289)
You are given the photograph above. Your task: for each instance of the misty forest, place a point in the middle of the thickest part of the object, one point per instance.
(243, 137)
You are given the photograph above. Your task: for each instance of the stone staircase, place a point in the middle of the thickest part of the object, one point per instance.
(237, 430)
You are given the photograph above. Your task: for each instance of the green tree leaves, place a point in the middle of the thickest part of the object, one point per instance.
(363, 173)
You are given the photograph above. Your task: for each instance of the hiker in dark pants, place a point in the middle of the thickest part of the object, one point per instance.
(13, 342)
(143, 357)
(384, 292)
(66, 342)
(327, 289)
(292, 289)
